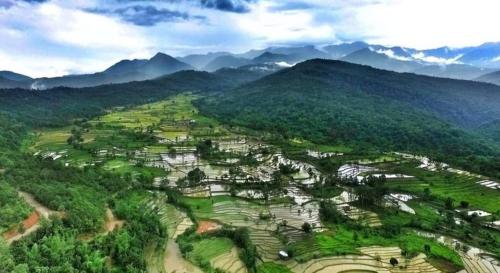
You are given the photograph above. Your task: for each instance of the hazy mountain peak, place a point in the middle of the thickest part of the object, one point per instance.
(13, 76)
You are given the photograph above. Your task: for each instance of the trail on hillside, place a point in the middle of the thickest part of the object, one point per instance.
(32, 223)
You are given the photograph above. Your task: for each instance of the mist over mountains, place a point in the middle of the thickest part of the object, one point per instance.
(471, 63)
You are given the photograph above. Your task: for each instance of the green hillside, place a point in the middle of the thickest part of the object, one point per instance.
(337, 102)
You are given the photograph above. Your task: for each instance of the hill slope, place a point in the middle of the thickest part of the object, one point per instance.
(9, 75)
(121, 72)
(491, 78)
(55, 106)
(337, 102)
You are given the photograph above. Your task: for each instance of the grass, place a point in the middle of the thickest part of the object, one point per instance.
(342, 241)
(444, 184)
(270, 267)
(208, 249)
(305, 144)
(122, 167)
(205, 205)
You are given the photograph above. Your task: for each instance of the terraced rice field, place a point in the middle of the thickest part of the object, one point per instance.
(413, 265)
(295, 215)
(229, 262)
(267, 245)
(373, 259)
(365, 217)
(476, 264)
(444, 184)
(175, 220)
(237, 213)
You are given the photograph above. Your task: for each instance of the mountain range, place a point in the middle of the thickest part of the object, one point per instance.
(469, 63)
(325, 101)
(330, 101)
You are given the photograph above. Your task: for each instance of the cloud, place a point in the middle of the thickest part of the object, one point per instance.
(48, 38)
(292, 5)
(9, 3)
(146, 15)
(238, 6)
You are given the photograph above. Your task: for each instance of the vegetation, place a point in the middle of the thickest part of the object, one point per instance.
(368, 109)
(12, 208)
(277, 173)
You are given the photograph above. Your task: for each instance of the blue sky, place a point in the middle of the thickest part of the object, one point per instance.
(57, 37)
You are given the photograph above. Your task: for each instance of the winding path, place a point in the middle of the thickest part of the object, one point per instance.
(32, 223)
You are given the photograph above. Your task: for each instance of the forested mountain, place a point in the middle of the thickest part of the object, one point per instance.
(457, 63)
(338, 102)
(123, 71)
(7, 83)
(9, 75)
(227, 61)
(268, 57)
(199, 61)
(55, 106)
(452, 71)
(379, 60)
(342, 50)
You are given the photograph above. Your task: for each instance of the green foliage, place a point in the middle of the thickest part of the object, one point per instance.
(332, 102)
(55, 249)
(270, 267)
(12, 208)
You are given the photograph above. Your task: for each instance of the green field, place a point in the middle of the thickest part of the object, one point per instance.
(341, 241)
(270, 267)
(127, 139)
(445, 184)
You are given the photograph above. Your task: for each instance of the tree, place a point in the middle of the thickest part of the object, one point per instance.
(448, 203)
(427, 248)
(306, 227)
(464, 204)
(394, 261)
(196, 176)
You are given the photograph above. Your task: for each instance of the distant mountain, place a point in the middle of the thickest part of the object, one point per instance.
(228, 61)
(254, 53)
(342, 50)
(163, 64)
(9, 75)
(199, 61)
(457, 63)
(123, 71)
(125, 66)
(485, 55)
(493, 77)
(338, 102)
(301, 53)
(385, 59)
(268, 57)
(7, 83)
(452, 71)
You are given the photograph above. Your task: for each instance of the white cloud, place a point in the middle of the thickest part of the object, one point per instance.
(89, 30)
(284, 26)
(61, 36)
(436, 60)
(390, 53)
(428, 23)
(53, 40)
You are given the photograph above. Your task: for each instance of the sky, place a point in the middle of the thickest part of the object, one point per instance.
(58, 37)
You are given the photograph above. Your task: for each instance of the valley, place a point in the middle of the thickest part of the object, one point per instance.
(191, 192)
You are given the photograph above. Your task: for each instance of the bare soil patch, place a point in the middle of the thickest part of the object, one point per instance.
(28, 224)
(207, 226)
